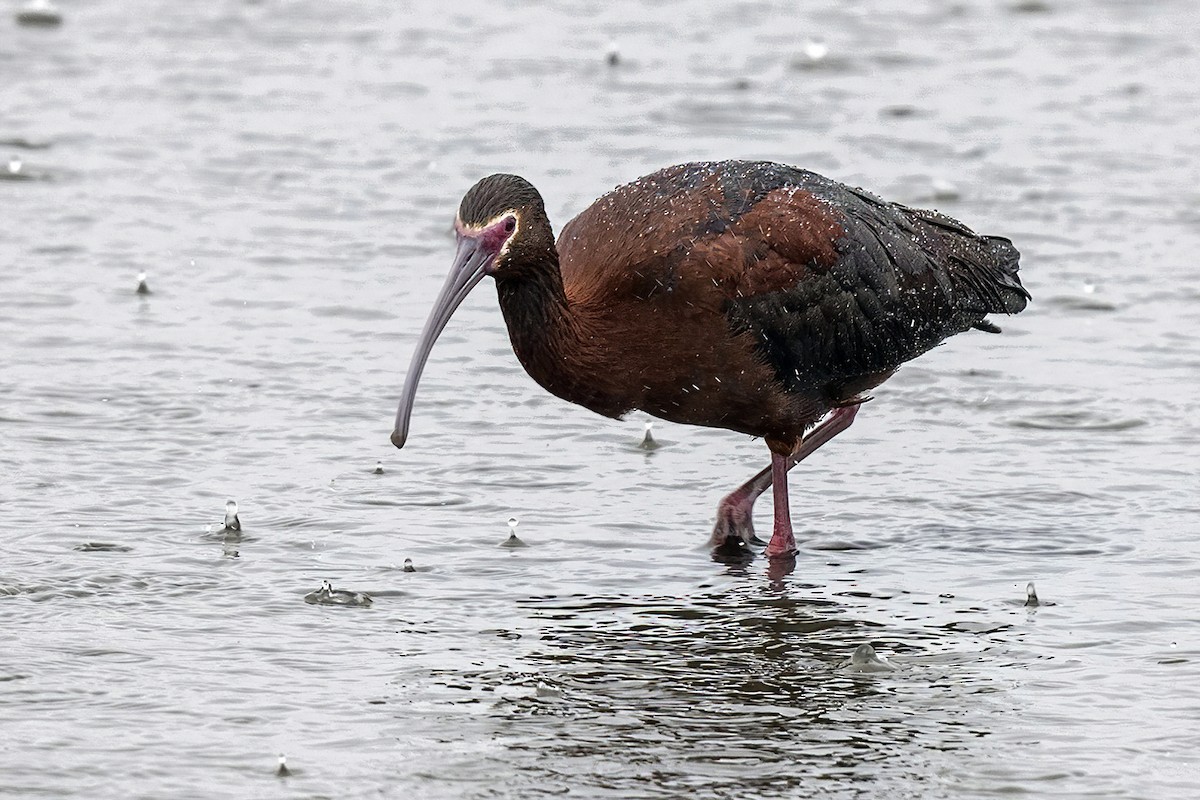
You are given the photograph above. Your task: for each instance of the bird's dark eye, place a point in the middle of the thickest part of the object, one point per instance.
(510, 224)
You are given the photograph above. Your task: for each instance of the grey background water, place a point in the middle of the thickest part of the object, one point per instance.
(286, 174)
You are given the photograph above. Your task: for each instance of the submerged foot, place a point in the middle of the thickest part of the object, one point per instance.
(733, 553)
(781, 546)
(734, 526)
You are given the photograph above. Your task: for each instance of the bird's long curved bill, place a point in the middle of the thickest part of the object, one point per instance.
(470, 263)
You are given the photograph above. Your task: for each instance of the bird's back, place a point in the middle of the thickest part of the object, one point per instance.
(834, 287)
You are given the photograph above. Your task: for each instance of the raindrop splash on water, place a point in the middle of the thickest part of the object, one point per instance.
(39, 13)
(232, 523)
(943, 190)
(545, 691)
(814, 50)
(512, 540)
(648, 442)
(378, 468)
(865, 659)
(142, 287)
(612, 55)
(282, 770)
(329, 596)
(1031, 598)
(408, 565)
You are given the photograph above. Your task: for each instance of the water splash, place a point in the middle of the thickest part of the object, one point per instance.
(612, 56)
(814, 50)
(648, 441)
(408, 565)
(865, 659)
(282, 770)
(102, 547)
(232, 523)
(544, 691)
(378, 468)
(1031, 598)
(513, 540)
(942, 190)
(329, 596)
(142, 286)
(37, 13)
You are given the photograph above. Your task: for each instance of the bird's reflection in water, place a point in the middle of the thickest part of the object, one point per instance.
(741, 557)
(740, 693)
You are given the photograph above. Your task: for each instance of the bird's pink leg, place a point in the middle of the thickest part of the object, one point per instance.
(735, 514)
(783, 543)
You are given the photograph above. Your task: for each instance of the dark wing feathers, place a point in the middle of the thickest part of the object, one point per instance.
(904, 280)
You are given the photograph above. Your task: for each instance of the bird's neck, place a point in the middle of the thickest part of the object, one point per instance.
(536, 311)
(549, 334)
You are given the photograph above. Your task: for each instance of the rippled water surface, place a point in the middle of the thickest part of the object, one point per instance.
(285, 173)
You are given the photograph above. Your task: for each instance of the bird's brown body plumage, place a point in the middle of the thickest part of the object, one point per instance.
(744, 295)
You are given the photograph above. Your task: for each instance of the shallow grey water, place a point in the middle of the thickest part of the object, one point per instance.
(286, 174)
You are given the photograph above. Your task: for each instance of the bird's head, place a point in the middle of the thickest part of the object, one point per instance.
(501, 226)
(501, 230)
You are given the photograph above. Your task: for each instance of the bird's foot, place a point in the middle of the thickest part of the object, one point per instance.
(782, 546)
(734, 526)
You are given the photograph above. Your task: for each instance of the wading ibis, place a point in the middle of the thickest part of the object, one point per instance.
(745, 295)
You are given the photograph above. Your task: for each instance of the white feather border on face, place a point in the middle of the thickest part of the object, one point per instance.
(479, 231)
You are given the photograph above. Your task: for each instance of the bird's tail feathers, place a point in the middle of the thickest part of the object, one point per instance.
(1008, 296)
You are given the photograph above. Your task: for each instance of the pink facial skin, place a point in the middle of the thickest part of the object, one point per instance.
(492, 238)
